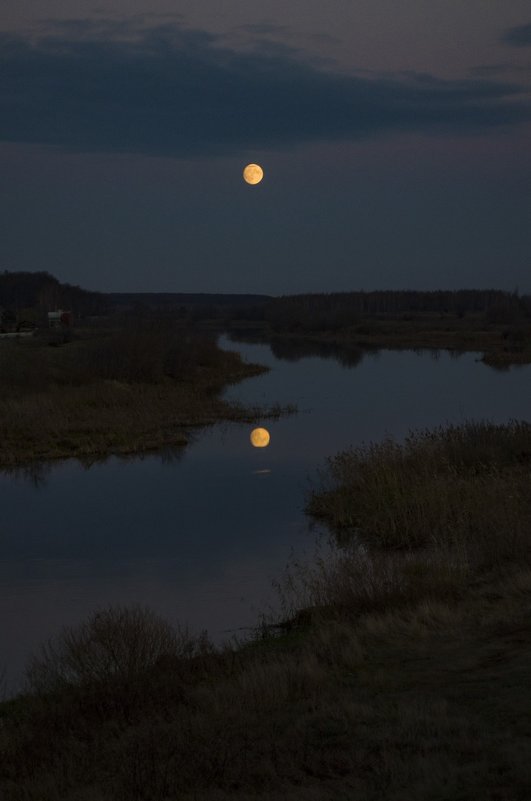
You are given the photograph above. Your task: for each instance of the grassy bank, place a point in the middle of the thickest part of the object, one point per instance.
(502, 343)
(426, 705)
(117, 391)
(402, 672)
(455, 486)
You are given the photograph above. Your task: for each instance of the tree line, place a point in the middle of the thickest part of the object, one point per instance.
(42, 292)
(328, 311)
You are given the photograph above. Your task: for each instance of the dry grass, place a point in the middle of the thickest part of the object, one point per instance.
(418, 522)
(432, 490)
(421, 705)
(353, 581)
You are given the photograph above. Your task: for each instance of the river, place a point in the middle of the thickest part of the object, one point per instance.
(199, 536)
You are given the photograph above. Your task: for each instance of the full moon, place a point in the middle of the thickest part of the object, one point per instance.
(253, 174)
(260, 438)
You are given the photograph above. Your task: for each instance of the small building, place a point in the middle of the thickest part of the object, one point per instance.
(59, 319)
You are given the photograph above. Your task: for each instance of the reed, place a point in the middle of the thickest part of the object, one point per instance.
(460, 485)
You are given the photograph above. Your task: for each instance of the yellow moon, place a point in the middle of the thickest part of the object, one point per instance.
(253, 174)
(260, 438)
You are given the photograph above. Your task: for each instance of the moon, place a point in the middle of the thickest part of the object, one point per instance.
(260, 438)
(253, 174)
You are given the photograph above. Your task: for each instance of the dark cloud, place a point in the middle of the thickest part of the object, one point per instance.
(169, 90)
(495, 70)
(520, 36)
(134, 26)
(266, 29)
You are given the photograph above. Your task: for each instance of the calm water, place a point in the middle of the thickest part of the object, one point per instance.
(199, 538)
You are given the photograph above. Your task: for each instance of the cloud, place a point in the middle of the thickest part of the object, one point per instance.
(266, 29)
(496, 70)
(169, 90)
(520, 36)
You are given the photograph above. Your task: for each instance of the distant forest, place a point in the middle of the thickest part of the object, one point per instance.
(193, 306)
(320, 312)
(41, 292)
(25, 292)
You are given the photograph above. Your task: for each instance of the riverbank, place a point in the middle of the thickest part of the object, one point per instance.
(501, 345)
(116, 391)
(401, 671)
(423, 704)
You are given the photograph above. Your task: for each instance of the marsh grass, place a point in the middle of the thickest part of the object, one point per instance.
(417, 522)
(355, 581)
(123, 391)
(461, 485)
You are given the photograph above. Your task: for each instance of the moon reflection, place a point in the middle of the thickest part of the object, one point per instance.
(260, 438)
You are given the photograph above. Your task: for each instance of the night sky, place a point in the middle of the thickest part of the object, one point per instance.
(395, 139)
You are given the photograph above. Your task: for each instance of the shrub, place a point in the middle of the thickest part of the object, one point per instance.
(114, 645)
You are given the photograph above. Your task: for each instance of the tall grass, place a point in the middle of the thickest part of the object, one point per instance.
(466, 485)
(417, 521)
(137, 354)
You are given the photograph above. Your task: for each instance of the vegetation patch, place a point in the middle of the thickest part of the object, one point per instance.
(122, 390)
(464, 486)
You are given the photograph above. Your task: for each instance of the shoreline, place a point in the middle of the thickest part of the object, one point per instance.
(492, 342)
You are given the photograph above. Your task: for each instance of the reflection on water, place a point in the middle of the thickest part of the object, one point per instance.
(38, 473)
(199, 533)
(260, 438)
(35, 474)
(293, 349)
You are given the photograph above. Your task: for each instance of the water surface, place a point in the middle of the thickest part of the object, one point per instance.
(200, 537)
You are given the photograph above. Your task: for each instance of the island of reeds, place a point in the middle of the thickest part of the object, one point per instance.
(123, 390)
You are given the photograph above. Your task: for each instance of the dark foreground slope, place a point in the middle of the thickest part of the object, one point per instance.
(403, 675)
